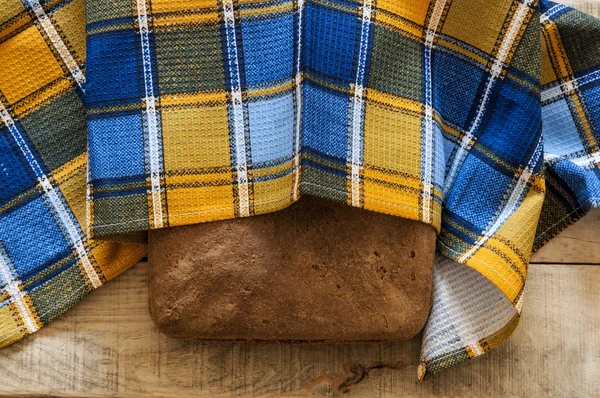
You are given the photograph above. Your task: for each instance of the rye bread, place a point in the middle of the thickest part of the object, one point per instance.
(318, 271)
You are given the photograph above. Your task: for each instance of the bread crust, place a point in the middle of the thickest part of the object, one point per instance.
(318, 271)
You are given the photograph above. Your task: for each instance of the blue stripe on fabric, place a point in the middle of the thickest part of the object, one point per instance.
(16, 177)
(48, 264)
(554, 10)
(332, 60)
(113, 69)
(46, 277)
(32, 238)
(274, 176)
(583, 183)
(462, 224)
(25, 149)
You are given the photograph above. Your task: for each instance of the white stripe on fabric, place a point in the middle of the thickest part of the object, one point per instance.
(511, 205)
(564, 88)
(54, 198)
(569, 86)
(238, 110)
(298, 93)
(591, 160)
(588, 160)
(151, 115)
(12, 288)
(57, 41)
(428, 158)
(358, 105)
(545, 17)
(466, 308)
(17, 295)
(496, 70)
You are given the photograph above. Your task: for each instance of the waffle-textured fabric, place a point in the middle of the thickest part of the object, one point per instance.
(479, 117)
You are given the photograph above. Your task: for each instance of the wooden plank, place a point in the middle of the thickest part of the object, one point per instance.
(590, 6)
(108, 345)
(578, 244)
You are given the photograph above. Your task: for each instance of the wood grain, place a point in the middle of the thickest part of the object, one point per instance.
(108, 345)
(578, 244)
(590, 6)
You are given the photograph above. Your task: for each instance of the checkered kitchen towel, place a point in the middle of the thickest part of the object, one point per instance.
(479, 117)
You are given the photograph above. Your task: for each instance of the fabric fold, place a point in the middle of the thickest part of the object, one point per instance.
(481, 119)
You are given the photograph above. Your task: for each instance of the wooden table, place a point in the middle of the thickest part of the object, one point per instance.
(107, 345)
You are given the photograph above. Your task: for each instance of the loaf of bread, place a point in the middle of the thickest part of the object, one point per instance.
(318, 271)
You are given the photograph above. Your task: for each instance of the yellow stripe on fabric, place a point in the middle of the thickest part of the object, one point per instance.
(199, 204)
(480, 29)
(269, 171)
(200, 98)
(499, 337)
(41, 97)
(195, 138)
(66, 171)
(23, 74)
(10, 9)
(384, 198)
(71, 180)
(514, 240)
(169, 21)
(494, 267)
(560, 62)
(415, 10)
(489, 343)
(247, 13)
(391, 21)
(215, 178)
(508, 251)
(110, 28)
(397, 194)
(20, 21)
(409, 106)
(114, 258)
(70, 19)
(333, 5)
(397, 102)
(254, 2)
(385, 177)
(548, 74)
(10, 328)
(163, 6)
(273, 195)
(263, 92)
(520, 228)
(441, 41)
(385, 148)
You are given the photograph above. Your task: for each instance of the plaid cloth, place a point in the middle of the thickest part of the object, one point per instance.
(451, 112)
